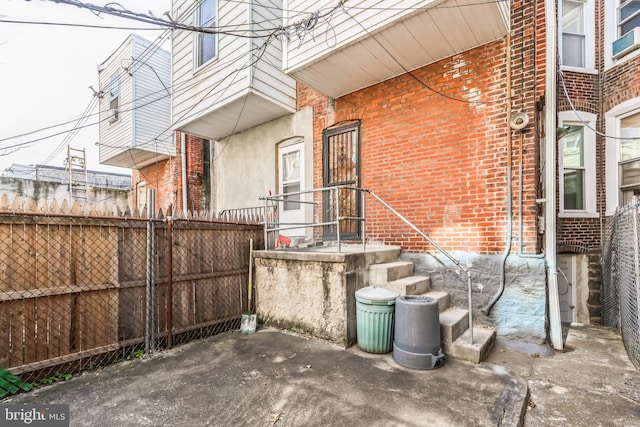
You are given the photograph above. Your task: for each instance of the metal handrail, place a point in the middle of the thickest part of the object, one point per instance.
(362, 219)
(439, 248)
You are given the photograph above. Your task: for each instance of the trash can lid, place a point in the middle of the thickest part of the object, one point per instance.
(376, 296)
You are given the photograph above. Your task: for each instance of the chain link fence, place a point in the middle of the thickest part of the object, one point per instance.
(78, 292)
(621, 276)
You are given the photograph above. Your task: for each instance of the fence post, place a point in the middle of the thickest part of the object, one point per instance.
(169, 300)
(150, 300)
(636, 261)
(337, 202)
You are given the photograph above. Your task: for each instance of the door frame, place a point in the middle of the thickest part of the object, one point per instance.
(329, 232)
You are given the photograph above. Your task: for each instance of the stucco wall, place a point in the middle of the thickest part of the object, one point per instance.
(48, 191)
(245, 164)
(312, 292)
(519, 315)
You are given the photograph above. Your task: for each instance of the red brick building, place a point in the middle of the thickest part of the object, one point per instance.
(173, 184)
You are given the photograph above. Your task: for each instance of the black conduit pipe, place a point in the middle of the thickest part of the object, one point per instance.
(486, 310)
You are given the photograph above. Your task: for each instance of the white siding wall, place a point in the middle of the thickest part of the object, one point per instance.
(198, 91)
(232, 74)
(374, 15)
(152, 98)
(268, 78)
(118, 134)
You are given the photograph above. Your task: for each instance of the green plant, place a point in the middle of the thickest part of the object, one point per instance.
(54, 379)
(138, 354)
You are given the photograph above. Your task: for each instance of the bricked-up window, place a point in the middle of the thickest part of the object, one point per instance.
(573, 171)
(577, 164)
(573, 33)
(628, 16)
(206, 44)
(630, 157)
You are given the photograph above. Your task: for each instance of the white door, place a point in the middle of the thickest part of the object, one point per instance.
(567, 287)
(291, 180)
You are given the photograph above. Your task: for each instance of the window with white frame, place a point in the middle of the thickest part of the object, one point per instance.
(206, 43)
(114, 97)
(628, 16)
(629, 168)
(577, 164)
(622, 155)
(578, 28)
(621, 31)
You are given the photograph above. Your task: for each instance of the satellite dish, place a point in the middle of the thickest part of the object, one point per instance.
(519, 120)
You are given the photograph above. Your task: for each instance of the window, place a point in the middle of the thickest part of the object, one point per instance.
(577, 40)
(621, 35)
(114, 97)
(295, 207)
(629, 158)
(577, 164)
(572, 149)
(291, 179)
(573, 37)
(206, 43)
(628, 16)
(622, 156)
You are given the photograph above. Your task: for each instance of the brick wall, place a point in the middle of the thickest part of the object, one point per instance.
(439, 161)
(166, 177)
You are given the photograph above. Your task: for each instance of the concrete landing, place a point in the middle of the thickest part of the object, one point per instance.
(272, 378)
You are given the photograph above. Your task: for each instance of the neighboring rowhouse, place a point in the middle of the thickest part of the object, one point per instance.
(236, 95)
(475, 120)
(135, 128)
(598, 107)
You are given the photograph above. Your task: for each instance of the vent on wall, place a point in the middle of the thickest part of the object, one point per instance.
(627, 43)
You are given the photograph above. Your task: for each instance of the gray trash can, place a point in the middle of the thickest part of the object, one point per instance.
(416, 342)
(374, 319)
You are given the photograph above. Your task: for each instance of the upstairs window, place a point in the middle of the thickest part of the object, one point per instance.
(206, 43)
(114, 97)
(577, 43)
(628, 16)
(573, 33)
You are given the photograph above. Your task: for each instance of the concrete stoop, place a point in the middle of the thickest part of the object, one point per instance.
(454, 321)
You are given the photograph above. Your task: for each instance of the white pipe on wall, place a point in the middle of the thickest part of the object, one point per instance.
(555, 327)
(183, 158)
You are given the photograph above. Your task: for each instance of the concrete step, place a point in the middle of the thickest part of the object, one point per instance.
(411, 285)
(381, 274)
(484, 339)
(442, 297)
(453, 322)
(378, 254)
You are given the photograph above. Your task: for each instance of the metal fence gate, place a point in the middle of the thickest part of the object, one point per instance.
(621, 276)
(77, 292)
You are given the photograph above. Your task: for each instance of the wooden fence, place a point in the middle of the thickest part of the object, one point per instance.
(80, 286)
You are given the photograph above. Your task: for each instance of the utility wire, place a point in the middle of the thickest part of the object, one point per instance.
(406, 70)
(580, 119)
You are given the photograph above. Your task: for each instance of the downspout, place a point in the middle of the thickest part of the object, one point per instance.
(555, 327)
(183, 158)
(486, 310)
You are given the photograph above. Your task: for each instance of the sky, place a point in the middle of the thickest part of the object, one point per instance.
(46, 72)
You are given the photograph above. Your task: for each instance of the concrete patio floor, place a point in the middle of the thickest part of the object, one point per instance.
(273, 378)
